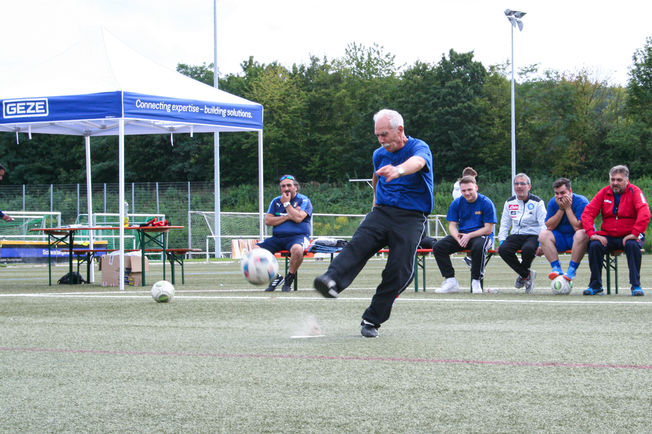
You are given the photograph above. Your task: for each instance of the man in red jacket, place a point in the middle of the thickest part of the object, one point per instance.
(625, 216)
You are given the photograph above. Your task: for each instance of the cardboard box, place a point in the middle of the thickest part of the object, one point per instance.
(110, 267)
(240, 247)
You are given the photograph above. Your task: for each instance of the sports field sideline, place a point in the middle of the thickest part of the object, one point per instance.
(225, 356)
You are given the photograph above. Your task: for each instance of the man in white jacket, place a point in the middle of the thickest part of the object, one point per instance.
(524, 216)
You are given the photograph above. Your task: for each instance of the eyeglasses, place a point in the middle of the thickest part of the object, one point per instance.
(520, 183)
(290, 177)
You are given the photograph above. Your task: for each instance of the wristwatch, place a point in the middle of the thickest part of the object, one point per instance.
(401, 171)
(286, 204)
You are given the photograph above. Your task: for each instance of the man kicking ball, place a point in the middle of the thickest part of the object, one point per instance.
(402, 183)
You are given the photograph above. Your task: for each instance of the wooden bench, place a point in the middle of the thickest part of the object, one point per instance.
(172, 255)
(611, 263)
(286, 254)
(419, 262)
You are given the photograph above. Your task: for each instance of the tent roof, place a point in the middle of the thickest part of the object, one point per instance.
(88, 87)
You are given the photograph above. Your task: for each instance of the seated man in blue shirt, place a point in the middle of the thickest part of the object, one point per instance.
(471, 219)
(290, 214)
(564, 229)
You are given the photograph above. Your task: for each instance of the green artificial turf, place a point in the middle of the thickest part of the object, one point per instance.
(223, 356)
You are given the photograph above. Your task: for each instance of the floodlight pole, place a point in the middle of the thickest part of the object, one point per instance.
(217, 224)
(514, 19)
(513, 120)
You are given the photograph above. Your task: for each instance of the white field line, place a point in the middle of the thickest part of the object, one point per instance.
(436, 299)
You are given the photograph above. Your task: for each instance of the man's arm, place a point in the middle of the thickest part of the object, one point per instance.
(295, 214)
(275, 220)
(374, 181)
(452, 230)
(642, 214)
(590, 213)
(573, 220)
(553, 221)
(505, 223)
(463, 239)
(409, 166)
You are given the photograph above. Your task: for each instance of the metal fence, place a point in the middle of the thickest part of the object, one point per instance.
(182, 203)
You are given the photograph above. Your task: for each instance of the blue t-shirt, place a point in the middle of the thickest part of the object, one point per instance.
(289, 227)
(578, 205)
(471, 216)
(413, 192)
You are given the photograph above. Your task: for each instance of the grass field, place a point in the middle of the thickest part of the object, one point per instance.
(224, 356)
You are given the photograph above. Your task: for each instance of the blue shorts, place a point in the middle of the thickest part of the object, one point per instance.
(276, 244)
(563, 241)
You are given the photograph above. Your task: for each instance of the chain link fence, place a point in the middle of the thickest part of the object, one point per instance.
(182, 203)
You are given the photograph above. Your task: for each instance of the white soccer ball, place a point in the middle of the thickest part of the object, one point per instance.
(162, 291)
(259, 266)
(561, 286)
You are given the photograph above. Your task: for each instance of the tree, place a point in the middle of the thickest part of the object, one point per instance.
(445, 102)
(639, 106)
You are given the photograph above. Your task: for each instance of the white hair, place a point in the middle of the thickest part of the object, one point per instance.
(395, 118)
(523, 175)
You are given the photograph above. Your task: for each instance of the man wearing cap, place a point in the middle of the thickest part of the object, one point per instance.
(290, 215)
(4, 216)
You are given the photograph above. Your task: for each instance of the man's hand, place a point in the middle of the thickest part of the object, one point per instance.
(564, 202)
(603, 240)
(629, 237)
(7, 218)
(463, 239)
(389, 172)
(286, 196)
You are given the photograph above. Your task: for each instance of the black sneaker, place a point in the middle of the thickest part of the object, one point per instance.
(368, 330)
(287, 283)
(275, 283)
(326, 286)
(467, 261)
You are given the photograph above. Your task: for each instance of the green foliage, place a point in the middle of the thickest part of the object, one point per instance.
(318, 124)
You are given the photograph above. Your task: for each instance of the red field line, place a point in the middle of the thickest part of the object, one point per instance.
(346, 358)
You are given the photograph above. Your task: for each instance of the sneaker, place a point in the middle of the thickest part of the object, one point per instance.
(287, 283)
(556, 272)
(570, 274)
(368, 330)
(476, 286)
(637, 291)
(529, 282)
(519, 282)
(275, 283)
(591, 291)
(450, 285)
(326, 286)
(467, 261)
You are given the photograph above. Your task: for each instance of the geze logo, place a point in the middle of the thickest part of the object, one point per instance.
(19, 108)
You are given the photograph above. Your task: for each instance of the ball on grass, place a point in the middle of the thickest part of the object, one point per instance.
(162, 291)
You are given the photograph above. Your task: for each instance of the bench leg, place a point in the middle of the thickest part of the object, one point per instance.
(611, 263)
(419, 262)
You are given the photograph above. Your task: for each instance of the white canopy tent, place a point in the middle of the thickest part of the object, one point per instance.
(101, 87)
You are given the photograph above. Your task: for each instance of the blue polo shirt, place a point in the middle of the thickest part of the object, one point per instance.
(579, 203)
(412, 192)
(289, 227)
(471, 216)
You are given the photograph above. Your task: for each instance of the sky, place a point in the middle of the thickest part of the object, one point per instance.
(568, 36)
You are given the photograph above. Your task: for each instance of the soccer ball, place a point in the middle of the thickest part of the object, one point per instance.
(162, 291)
(561, 286)
(259, 266)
